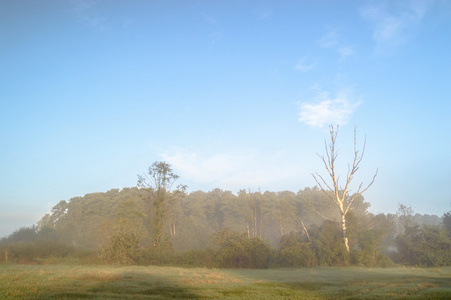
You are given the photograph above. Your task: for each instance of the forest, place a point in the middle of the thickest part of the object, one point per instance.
(156, 223)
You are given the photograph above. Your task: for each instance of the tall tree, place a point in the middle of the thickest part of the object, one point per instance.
(337, 193)
(405, 218)
(159, 195)
(447, 221)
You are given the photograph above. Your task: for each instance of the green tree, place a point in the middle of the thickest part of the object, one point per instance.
(159, 196)
(338, 194)
(193, 229)
(24, 234)
(424, 246)
(447, 222)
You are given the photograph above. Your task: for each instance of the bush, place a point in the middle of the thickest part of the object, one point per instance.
(368, 249)
(197, 258)
(427, 246)
(295, 252)
(156, 256)
(260, 253)
(328, 245)
(384, 261)
(31, 252)
(236, 250)
(297, 257)
(121, 247)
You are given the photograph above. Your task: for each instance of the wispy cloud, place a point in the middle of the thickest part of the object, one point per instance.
(326, 110)
(204, 169)
(332, 40)
(303, 65)
(345, 51)
(263, 11)
(85, 9)
(234, 171)
(265, 15)
(392, 21)
(210, 19)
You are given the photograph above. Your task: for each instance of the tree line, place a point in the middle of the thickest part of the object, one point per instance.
(222, 229)
(158, 222)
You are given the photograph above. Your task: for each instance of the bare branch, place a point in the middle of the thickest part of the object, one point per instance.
(358, 193)
(326, 164)
(321, 187)
(323, 180)
(355, 166)
(321, 215)
(303, 226)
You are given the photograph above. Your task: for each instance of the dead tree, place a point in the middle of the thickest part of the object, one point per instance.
(338, 194)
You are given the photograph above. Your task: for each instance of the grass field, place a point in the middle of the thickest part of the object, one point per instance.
(132, 282)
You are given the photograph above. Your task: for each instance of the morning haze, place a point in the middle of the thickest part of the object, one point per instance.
(224, 110)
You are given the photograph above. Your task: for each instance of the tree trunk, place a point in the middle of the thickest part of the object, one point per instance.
(280, 224)
(261, 222)
(343, 230)
(305, 229)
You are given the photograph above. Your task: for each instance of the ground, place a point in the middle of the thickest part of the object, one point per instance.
(67, 281)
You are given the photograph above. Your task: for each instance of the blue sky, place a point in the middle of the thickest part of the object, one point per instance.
(234, 94)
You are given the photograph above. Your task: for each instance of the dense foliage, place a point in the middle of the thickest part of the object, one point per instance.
(424, 246)
(221, 229)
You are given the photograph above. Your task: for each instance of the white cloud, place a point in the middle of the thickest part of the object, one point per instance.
(332, 40)
(326, 111)
(204, 170)
(81, 5)
(234, 171)
(86, 11)
(329, 40)
(392, 21)
(303, 66)
(345, 51)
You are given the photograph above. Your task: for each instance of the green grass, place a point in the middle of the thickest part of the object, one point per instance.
(65, 281)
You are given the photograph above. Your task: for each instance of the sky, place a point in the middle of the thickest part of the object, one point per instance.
(233, 94)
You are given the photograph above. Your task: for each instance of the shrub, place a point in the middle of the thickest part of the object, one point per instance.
(295, 252)
(426, 246)
(368, 249)
(121, 247)
(31, 252)
(236, 250)
(157, 256)
(297, 257)
(260, 253)
(197, 258)
(328, 245)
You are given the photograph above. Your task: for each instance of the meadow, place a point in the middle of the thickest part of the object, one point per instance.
(66, 281)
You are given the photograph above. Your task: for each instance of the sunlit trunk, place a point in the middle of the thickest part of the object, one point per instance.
(343, 230)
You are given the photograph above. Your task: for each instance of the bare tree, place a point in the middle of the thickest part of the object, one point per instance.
(337, 193)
